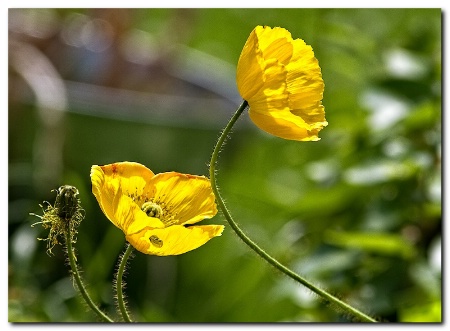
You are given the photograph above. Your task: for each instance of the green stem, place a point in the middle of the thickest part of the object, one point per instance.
(212, 172)
(119, 284)
(80, 285)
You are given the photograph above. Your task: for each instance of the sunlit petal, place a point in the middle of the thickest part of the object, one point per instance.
(173, 240)
(190, 198)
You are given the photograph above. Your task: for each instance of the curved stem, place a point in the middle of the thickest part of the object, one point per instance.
(80, 285)
(119, 284)
(322, 293)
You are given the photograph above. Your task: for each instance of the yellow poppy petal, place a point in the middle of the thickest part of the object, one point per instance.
(173, 240)
(129, 177)
(189, 198)
(304, 80)
(275, 43)
(301, 51)
(250, 68)
(284, 125)
(313, 116)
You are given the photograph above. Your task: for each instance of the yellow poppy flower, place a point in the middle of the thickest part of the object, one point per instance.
(156, 212)
(281, 80)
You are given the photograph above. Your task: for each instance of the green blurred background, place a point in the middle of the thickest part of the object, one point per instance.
(358, 212)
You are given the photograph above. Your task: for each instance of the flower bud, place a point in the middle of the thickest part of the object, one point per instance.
(67, 201)
(63, 218)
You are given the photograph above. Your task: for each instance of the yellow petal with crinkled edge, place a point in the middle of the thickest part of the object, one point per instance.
(189, 198)
(284, 125)
(173, 240)
(275, 43)
(250, 68)
(114, 185)
(304, 79)
(285, 98)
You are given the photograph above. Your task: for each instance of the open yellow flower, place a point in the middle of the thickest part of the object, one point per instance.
(281, 80)
(156, 212)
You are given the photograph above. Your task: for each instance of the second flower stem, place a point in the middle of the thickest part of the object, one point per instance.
(119, 284)
(339, 304)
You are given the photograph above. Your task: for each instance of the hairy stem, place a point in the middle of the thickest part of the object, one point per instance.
(335, 302)
(78, 280)
(119, 284)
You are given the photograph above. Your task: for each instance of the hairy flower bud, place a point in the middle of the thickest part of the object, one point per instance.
(67, 201)
(63, 218)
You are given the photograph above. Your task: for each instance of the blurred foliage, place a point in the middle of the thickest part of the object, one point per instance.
(358, 212)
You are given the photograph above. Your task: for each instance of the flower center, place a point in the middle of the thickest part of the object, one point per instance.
(152, 209)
